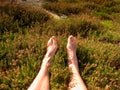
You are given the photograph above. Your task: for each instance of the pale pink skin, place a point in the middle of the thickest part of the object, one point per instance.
(71, 51)
(41, 82)
(76, 82)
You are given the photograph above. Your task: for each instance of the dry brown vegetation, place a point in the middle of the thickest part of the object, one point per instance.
(25, 31)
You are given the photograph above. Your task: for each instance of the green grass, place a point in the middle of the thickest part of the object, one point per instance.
(23, 42)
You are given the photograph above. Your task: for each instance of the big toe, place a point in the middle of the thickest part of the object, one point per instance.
(51, 41)
(72, 43)
(70, 39)
(54, 40)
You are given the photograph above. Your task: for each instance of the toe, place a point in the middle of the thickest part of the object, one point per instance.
(50, 42)
(71, 40)
(53, 37)
(54, 41)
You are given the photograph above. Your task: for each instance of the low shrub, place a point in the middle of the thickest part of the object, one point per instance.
(21, 53)
(85, 28)
(64, 8)
(27, 17)
(103, 16)
(14, 17)
(70, 1)
(91, 6)
(108, 10)
(7, 24)
(102, 2)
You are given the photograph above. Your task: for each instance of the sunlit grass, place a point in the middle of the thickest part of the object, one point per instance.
(22, 48)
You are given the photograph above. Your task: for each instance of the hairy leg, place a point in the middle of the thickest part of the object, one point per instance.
(76, 82)
(41, 82)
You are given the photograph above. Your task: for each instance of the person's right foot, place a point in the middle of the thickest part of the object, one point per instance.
(72, 61)
(71, 51)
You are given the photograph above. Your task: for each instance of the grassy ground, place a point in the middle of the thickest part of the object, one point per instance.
(24, 32)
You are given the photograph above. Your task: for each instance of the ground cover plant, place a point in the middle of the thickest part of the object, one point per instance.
(25, 30)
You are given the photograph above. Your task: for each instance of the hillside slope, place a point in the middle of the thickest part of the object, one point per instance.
(25, 30)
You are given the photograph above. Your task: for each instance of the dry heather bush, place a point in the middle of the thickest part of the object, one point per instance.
(21, 54)
(15, 16)
(64, 8)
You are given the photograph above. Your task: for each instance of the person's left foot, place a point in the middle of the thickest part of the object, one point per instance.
(51, 49)
(51, 46)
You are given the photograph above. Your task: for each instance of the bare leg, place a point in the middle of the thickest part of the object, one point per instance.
(76, 82)
(41, 82)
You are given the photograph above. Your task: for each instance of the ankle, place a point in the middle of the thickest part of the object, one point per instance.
(73, 69)
(46, 61)
(71, 54)
(72, 57)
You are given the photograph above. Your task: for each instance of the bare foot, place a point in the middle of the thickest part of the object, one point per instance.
(72, 61)
(51, 49)
(51, 46)
(71, 51)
